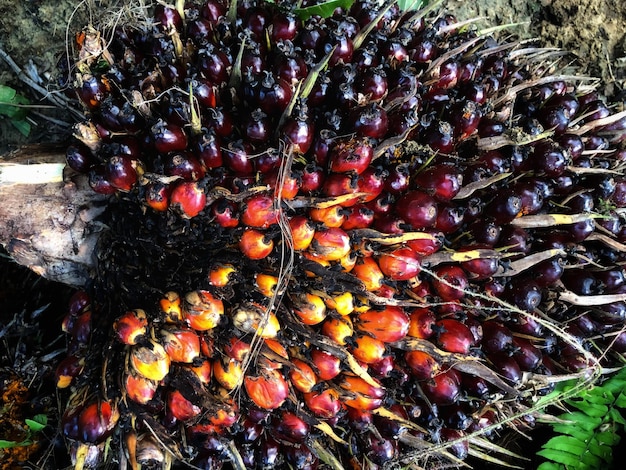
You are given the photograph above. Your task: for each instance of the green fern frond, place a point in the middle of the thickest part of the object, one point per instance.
(585, 436)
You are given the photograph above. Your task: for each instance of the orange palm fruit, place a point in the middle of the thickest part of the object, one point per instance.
(323, 403)
(139, 389)
(266, 284)
(225, 416)
(331, 244)
(181, 408)
(362, 395)
(339, 329)
(269, 390)
(387, 325)
(333, 216)
(259, 211)
(202, 370)
(310, 308)
(171, 306)
(151, 362)
(348, 262)
(421, 320)
(328, 366)
(237, 349)
(400, 264)
(228, 372)
(202, 311)
(254, 244)
(368, 271)
(343, 303)
(422, 365)
(368, 350)
(181, 344)
(130, 326)
(251, 317)
(302, 376)
(221, 275)
(277, 347)
(302, 232)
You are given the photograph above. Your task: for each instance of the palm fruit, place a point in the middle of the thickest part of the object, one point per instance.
(334, 236)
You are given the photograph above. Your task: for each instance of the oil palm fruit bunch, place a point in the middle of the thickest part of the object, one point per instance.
(344, 237)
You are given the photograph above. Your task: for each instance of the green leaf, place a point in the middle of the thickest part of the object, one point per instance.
(10, 102)
(607, 438)
(620, 401)
(588, 423)
(596, 411)
(411, 5)
(572, 430)
(550, 466)
(616, 416)
(325, 10)
(560, 456)
(22, 126)
(10, 444)
(566, 443)
(601, 450)
(38, 423)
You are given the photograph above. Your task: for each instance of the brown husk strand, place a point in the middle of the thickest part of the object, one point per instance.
(357, 241)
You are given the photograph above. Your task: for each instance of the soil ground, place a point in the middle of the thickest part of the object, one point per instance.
(33, 33)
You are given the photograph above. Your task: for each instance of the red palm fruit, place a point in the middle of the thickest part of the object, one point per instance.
(480, 268)
(302, 376)
(359, 386)
(328, 366)
(255, 245)
(289, 427)
(443, 181)
(79, 303)
(287, 187)
(527, 355)
(506, 366)
(418, 208)
(301, 457)
(207, 344)
(371, 183)
(339, 329)
(312, 179)
(81, 330)
(259, 211)
(353, 155)
(454, 336)
(388, 325)
(333, 216)
(202, 311)
(400, 264)
(450, 282)
(97, 421)
(222, 275)
(158, 196)
(181, 408)
(323, 403)
(151, 362)
(130, 326)
(368, 350)
(302, 232)
(368, 271)
(423, 366)
(266, 284)
(181, 344)
(442, 389)
(359, 216)
(237, 349)
(475, 386)
(343, 303)
(310, 308)
(188, 198)
(380, 450)
(225, 213)
(171, 306)
(459, 449)
(330, 245)
(68, 369)
(383, 368)
(359, 420)
(496, 337)
(268, 391)
(421, 322)
(427, 246)
(139, 389)
(228, 372)
(202, 370)
(339, 184)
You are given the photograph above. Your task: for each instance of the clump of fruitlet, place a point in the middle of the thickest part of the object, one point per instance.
(340, 240)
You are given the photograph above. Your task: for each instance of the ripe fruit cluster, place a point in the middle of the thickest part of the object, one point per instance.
(335, 241)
